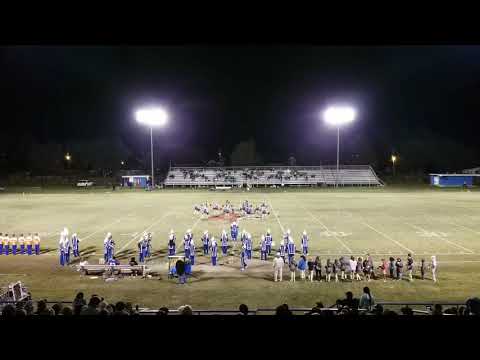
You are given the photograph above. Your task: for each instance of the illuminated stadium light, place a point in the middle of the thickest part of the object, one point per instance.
(152, 116)
(68, 157)
(339, 115)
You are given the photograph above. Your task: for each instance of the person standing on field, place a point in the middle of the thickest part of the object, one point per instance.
(302, 265)
(422, 269)
(410, 267)
(206, 242)
(171, 243)
(293, 268)
(290, 249)
(1, 243)
(353, 267)
(13, 242)
(392, 267)
(21, 242)
(318, 268)
(36, 243)
(399, 266)
(434, 268)
(214, 251)
(278, 264)
(311, 269)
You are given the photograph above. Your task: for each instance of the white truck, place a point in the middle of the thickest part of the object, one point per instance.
(84, 183)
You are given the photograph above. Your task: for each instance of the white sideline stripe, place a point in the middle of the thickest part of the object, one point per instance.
(388, 237)
(276, 217)
(441, 238)
(141, 232)
(326, 228)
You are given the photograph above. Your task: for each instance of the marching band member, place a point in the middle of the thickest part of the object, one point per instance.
(111, 248)
(249, 246)
(1, 244)
(171, 243)
(21, 242)
(61, 248)
(234, 231)
(214, 251)
(224, 242)
(36, 243)
(192, 252)
(76, 245)
(243, 255)
(304, 242)
(186, 244)
(243, 236)
(285, 238)
(6, 244)
(263, 248)
(268, 242)
(206, 242)
(28, 243)
(13, 242)
(434, 268)
(68, 247)
(105, 246)
(141, 249)
(290, 249)
(149, 245)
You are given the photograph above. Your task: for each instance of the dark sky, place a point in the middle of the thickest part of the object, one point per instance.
(218, 96)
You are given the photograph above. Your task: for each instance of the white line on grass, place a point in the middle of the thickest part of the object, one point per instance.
(326, 228)
(103, 228)
(441, 238)
(141, 233)
(464, 227)
(387, 237)
(276, 217)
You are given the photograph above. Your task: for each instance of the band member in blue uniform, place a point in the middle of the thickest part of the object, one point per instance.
(285, 239)
(141, 249)
(290, 249)
(263, 248)
(6, 244)
(206, 242)
(304, 242)
(249, 247)
(243, 236)
(243, 256)
(36, 243)
(68, 248)
(214, 251)
(75, 245)
(149, 245)
(171, 243)
(268, 241)
(106, 247)
(192, 252)
(61, 248)
(111, 248)
(13, 243)
(224, 242)
(234, 231)
(1, 243)
(21, 243)
(186, 245)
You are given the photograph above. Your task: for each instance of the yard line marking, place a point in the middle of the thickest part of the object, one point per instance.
(103, 228)
(276, 217)
(141, 232)
(326, 228)
(387, 237)
(441, 238)
(464, 227)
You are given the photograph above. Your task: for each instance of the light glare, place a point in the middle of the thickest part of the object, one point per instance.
(339, 115)
(152, 116)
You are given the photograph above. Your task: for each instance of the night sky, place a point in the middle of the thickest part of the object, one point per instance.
(218, 96)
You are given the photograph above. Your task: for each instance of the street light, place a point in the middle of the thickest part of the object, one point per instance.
(393, 158)
(68, 157)
(152, 117)
(339, 116)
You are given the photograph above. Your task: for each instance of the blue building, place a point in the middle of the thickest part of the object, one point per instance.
(452, 180)
(140, 181)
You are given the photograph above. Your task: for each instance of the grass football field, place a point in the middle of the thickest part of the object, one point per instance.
(383, 222)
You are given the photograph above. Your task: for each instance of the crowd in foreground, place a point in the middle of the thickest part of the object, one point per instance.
(349, 306)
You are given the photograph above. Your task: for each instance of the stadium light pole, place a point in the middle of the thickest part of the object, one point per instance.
(152, 117)
(338, 116)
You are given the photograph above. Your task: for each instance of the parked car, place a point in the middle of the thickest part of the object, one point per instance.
(84, 183)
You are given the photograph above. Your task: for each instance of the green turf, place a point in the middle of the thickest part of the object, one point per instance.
(386, 221)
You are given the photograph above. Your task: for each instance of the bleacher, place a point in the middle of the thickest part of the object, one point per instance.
(348, 175)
